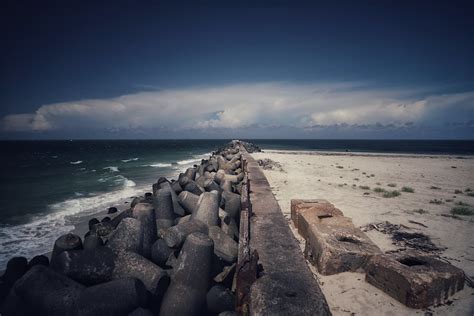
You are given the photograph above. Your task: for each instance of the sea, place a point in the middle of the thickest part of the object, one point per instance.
(48, 187)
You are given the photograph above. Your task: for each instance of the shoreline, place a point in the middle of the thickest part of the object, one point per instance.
(145, 252)
(363, 154)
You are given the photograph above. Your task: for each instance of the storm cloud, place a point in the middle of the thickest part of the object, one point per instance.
(257, 106)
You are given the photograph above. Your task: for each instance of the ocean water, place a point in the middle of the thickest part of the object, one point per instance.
(48, 186)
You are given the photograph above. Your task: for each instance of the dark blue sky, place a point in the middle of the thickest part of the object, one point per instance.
(65, 51)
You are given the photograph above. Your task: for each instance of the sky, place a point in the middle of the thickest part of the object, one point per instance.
(237, 69)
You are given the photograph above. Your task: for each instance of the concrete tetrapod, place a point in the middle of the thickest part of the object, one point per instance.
(208, 209)
(145, 214)
(174, 236)
(63, 243)
(128, 236)
(119, 297)
(164, 209)
(44, 292)
(187, 292)
(178, 210)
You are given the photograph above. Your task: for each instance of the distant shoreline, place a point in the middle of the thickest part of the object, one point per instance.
(364, 154)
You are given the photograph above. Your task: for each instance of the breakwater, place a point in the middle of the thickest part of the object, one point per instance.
(188, 247)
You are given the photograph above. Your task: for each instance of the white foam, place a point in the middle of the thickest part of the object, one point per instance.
(75, 162)
(112, 169)
(160, 165)
(37, 236)
(131, 159)
(187, 161)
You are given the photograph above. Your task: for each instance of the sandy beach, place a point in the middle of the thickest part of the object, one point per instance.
(348, 180)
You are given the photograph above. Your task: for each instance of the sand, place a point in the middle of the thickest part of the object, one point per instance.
(337, 177)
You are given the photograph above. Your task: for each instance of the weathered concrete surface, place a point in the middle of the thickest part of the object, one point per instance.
(335, 245)
(307, 212)
(413, 278)
(299, 205)
(286, 285)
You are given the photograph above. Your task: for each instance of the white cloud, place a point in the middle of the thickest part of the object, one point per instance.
(242, 105)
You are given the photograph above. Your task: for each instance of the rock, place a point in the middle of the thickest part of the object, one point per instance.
(226, 185)
(145, 214)
(224, 246)
(118, 218)
(226, 277)
(194, 188)
(128, 236)
(138, 199)
(149, 196)
(92, 222)
(118, 297)
(160, 252)
(141, 312)
(219, 299)
(106, 219)
(16, 268)
(132, 265)
(190, 173)
(38, 260)
(189, 201)
(63, 243)
(112, 210)
(88, 267)
(178, 210)
(92, 241)
(183, 219)
(164, 209)
(175, 236)
(232, 204)
(45, 292)
(103, 229)
(186, 294)
(176, 187)
(230, 228)
(208, 209)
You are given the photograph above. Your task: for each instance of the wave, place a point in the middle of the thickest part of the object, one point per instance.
(112, 168)
(37, 236)
(161, 165)
(75, 162)
(131, 159)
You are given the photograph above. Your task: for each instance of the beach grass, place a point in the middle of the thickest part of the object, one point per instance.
(436, 201)
(462, 210)
(379, 190)
(457, 192)
(391, 194)
(420, 211)
(408, 190)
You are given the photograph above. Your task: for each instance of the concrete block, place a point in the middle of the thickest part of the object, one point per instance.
(316, 214)
(415, 279)
(320, 207)
(335, 246)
